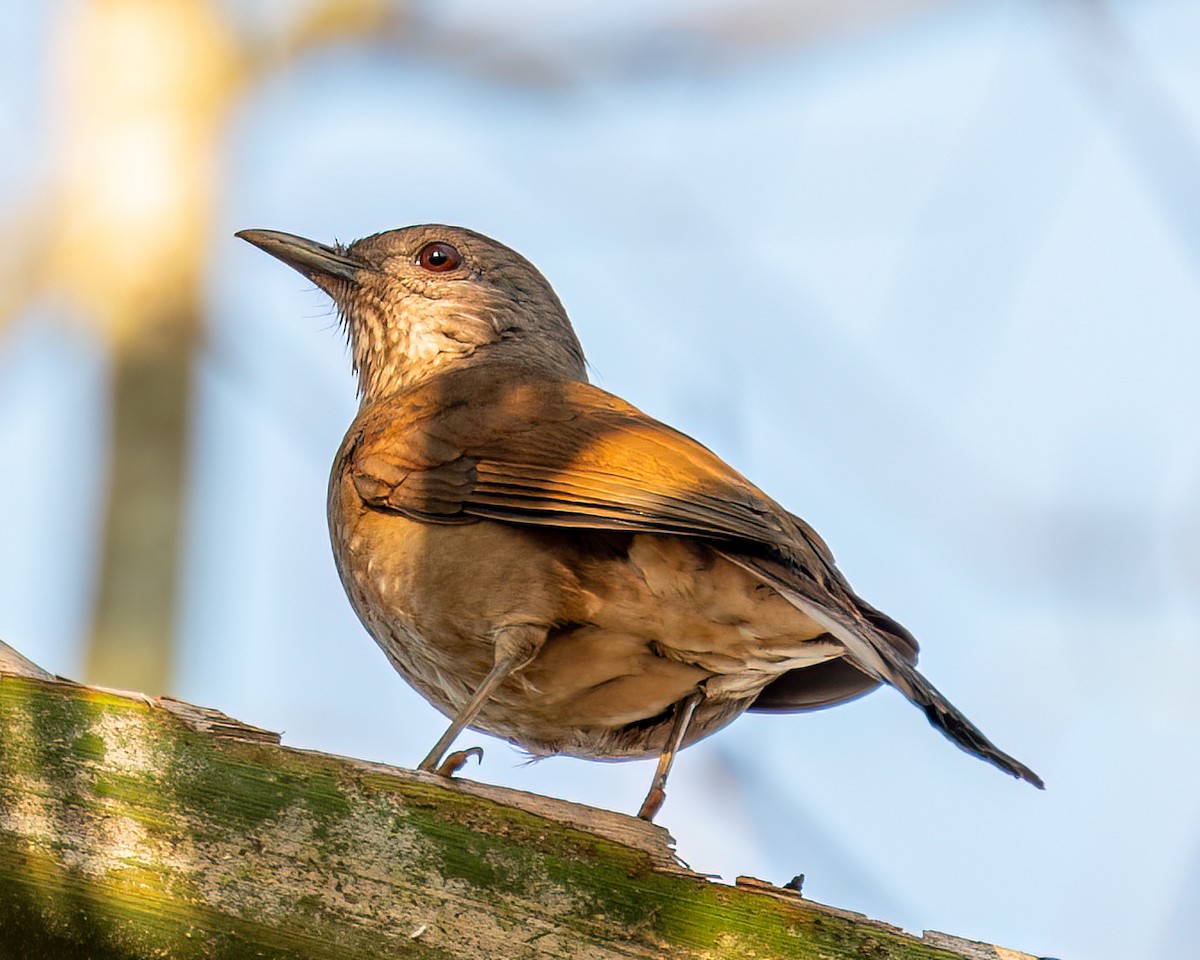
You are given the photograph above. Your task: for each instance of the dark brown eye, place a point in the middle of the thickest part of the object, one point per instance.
(439, 256)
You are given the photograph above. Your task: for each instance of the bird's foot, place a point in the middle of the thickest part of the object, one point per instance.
(457, 760)
(652, 803)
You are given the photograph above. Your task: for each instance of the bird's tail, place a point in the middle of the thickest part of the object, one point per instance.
(868, 650)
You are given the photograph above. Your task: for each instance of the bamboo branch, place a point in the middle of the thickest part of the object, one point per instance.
(136, 827)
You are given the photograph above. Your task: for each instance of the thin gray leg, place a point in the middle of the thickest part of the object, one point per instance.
(495, 677)
(658, 786)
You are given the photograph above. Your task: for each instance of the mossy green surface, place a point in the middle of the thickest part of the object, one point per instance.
(124, 833)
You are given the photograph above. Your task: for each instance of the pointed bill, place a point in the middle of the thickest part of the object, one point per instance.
(317, 261)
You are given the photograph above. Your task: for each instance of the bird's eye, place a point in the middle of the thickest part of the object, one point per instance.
(439, 256)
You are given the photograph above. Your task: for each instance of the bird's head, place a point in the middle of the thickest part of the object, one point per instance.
(423, 299)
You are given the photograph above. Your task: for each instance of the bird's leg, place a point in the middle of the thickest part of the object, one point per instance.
(496, 676)
(679, 724)
(515, 647)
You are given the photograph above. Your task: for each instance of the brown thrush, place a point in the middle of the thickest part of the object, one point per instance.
(546, 563)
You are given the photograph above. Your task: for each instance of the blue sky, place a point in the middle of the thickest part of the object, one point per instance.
(932, 284)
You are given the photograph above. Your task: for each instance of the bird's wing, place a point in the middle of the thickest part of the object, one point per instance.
(556, 453)
(565, 453)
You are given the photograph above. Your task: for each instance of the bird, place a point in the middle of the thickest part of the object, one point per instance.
(544, 562)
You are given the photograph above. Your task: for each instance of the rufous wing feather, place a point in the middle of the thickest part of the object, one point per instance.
(553, 452)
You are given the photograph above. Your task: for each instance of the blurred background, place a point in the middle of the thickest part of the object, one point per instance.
(926, 271)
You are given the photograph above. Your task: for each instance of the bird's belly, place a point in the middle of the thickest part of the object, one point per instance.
(632, 628)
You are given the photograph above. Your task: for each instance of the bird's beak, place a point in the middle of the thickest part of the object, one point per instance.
(315, 260)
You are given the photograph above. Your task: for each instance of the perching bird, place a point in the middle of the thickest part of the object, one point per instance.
(546, 563)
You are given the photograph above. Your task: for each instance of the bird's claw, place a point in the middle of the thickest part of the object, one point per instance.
(457, 760)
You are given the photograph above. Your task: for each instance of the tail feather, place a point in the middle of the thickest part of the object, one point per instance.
(868, 650)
